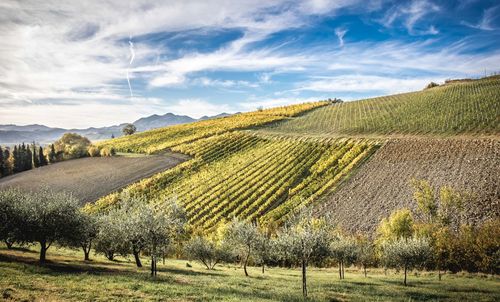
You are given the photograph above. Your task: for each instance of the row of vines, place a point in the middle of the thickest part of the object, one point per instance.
(469, 107)
(254, 177)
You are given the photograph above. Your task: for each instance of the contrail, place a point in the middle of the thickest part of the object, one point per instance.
(132, 56)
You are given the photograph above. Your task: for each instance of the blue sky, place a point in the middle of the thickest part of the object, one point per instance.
(69, 64)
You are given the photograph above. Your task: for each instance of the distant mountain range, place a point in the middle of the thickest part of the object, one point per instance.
(13, 134)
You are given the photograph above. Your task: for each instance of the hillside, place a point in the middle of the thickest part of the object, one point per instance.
(465, 108)
(265, 165)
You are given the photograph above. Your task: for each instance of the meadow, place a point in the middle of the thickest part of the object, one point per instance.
(67, 277)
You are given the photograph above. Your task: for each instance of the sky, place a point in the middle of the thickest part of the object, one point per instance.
(76, 64)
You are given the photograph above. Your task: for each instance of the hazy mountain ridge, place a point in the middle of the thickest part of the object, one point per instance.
(12, 134)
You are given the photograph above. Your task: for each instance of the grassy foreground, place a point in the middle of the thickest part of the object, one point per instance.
(67, 277)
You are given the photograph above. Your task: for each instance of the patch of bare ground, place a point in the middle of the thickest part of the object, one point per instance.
(382, 184)
(91, 178)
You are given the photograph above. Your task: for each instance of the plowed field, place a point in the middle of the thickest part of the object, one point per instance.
(383, 183)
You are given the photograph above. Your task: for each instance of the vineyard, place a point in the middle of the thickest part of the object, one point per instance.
(469, 107)
(266, 165)
(160, 139)
(258, 178)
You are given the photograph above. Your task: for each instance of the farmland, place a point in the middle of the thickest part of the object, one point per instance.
(237, 174)
(383, 183)
(460, 108)
(92, 177)
(70, 279)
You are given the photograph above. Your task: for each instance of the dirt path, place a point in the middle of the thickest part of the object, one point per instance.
(90, 178)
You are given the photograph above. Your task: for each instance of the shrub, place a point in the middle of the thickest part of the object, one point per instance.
(94, 151)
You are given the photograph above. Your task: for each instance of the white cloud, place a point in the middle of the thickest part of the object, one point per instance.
(410, 14)
(340, 33)
(486, 21)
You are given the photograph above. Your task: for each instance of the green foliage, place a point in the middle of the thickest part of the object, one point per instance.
(41, 217)
(400, 225)
(129, 129)
(460, 108)
(406, 253)
(344, 250)
(72, 145)
(244, 238)
(208, 252)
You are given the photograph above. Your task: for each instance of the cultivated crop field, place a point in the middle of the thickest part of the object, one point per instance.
(90, 178)
(70, 279)
(471, 107)
(252, 177)
(383, 183)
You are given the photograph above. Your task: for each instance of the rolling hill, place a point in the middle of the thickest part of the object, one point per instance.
(354, 160)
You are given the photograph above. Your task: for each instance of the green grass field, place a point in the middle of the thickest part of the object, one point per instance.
(67, 277)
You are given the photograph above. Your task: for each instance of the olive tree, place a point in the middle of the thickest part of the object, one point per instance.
(243, 237)
(365, 253)
(9, 216)
(160, 223)
(111, 239)
(207, 251)
(303, 240)
(344, 250)
(47, 217)
(406, 253)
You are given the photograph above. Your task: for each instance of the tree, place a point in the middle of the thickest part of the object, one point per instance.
(399, 225)
(406, 253)
(3, 170)
(52, 154)
(344, 250)
(111, 238)
(41, 157)
(243, 236)
(9, 215)
(264, 247)
(207, 252)
(46, 217)
(35, 158)
(160, 224)
(72, 145)
(129, 129)
(7, 166)
(305, 239)
(86, 234)
(365, 253)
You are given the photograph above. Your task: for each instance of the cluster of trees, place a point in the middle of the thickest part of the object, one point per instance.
(438, 240)
(72, 145)
(21, 158)
(26, 157)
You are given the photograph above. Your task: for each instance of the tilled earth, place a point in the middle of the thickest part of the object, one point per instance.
(92, 177)
(382, 184)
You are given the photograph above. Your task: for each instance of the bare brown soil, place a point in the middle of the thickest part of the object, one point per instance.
(91, 178)
(382, 184)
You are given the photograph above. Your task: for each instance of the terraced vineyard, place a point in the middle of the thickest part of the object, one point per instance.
(470, 107)
(237, 174)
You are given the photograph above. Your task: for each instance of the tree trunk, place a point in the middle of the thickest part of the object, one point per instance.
(263, 268)
(304, 279)
(153, 266)
(43, 251)
(110, 255)
(343, 275)
(364, 268)
(340, 270)
(8, 243)
(439, 274)
(86, 255)
(245, 264)
(405, 275)
(137, 259)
